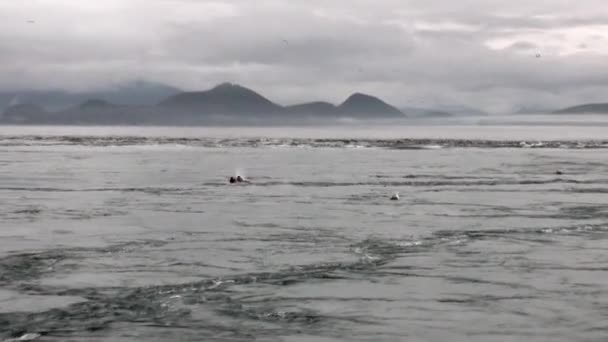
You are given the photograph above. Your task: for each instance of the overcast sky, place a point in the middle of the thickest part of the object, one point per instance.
(480, 53)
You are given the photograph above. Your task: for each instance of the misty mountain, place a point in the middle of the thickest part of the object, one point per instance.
(360, 105)
(224, 99)
(591, 108)
(356, 106)
(97, 111)
(24, 113)
(137, 93)
(234, 100)
(224, 104)
(533, 110)
(318, 108)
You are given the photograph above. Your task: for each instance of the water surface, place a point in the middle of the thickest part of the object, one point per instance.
(136, 235)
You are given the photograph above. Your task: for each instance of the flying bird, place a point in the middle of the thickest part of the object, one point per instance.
(285, 41)
(538, 55)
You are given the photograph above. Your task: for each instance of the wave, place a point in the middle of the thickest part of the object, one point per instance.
(410, 182)
(173, 305)
(395, 144)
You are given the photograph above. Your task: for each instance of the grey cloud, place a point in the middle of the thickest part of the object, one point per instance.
(436, 52)
(522, 46)
(307, 40)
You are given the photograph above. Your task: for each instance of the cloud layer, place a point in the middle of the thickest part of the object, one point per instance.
(481, 53)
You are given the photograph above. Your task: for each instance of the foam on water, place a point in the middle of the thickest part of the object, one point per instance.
(182, 143)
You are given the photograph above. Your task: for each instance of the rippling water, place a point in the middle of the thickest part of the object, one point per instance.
(137, 237)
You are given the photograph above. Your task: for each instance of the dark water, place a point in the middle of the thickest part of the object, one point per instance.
(139, 238)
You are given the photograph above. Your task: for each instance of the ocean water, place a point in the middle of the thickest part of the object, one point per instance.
(134, 234)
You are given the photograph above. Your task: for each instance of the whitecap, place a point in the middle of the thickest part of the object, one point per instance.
(26, 337)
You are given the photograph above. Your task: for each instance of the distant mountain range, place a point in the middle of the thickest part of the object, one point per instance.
(149, 103)
(591, 108)
(135, 93)
(224, 104)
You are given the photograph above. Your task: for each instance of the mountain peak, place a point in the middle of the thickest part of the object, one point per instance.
(231, 88)
(359, 104)
(226, 86)
(361, 96)
(225, 98)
